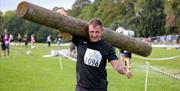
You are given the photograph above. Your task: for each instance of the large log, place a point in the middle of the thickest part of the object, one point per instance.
(79, 27)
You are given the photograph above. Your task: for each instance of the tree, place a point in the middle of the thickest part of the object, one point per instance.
(9, 21)
(175, 4)
(128, 15)
(78, 6)
(151, 19)
(88, 12)
(80, 3)
(1, 22)
(1, 13)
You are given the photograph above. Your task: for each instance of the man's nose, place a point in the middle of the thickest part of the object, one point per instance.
(94, 34)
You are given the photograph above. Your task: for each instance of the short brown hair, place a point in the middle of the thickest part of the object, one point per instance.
(96, 21)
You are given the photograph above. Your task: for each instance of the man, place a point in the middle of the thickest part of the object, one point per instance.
(92, 56)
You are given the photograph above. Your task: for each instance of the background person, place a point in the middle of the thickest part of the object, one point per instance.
(33, 40)
(19, 39)
(72, 50)
(49, 40)
(3, 50)
(58, 41)
(25, 40)
(125, 56)
(7, 41)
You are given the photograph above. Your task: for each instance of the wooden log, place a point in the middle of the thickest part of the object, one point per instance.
(79, 27)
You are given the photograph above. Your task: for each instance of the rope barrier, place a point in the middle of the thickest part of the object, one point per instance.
(167, 58)
(165, 73)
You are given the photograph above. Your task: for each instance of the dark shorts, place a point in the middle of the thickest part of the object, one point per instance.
(79, 88)
(127, 55)
(3, 47)
(6, 46)
(26, 43)
(19, 40)
(49, 42)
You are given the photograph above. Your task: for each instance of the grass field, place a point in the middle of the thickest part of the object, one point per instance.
(22, 72)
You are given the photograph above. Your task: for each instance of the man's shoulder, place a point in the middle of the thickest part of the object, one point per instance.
(104, 42)
(77, 39)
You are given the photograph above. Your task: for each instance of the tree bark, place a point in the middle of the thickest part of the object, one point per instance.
(79, 27)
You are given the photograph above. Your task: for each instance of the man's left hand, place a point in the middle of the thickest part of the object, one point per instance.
(128, 73)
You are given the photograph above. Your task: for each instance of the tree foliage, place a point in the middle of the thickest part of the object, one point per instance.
(78, 6)
(151, 19)
(175, 4)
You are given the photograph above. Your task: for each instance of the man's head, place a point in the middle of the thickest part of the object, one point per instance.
(95, 30)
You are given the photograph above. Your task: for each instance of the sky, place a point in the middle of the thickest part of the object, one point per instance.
(6, 5)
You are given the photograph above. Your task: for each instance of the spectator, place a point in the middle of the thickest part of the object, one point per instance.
(49, 40)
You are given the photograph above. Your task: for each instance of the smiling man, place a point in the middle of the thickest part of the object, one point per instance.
(92, 56)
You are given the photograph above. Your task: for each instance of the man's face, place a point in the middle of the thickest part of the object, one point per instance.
(95, 33)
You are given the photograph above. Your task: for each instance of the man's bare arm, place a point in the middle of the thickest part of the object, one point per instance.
(120, 68)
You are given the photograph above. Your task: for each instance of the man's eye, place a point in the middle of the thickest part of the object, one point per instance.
(92, 32)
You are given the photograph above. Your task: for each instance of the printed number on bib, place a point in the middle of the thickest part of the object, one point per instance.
(92, 58)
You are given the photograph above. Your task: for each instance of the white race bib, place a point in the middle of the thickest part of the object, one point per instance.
(92, 57)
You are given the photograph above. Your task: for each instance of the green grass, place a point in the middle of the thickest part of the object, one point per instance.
(22, 72)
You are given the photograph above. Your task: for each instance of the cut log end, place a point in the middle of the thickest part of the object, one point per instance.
(148, 52)
(22, 9)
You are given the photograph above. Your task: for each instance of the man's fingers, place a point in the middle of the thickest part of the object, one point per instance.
(129, 75)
